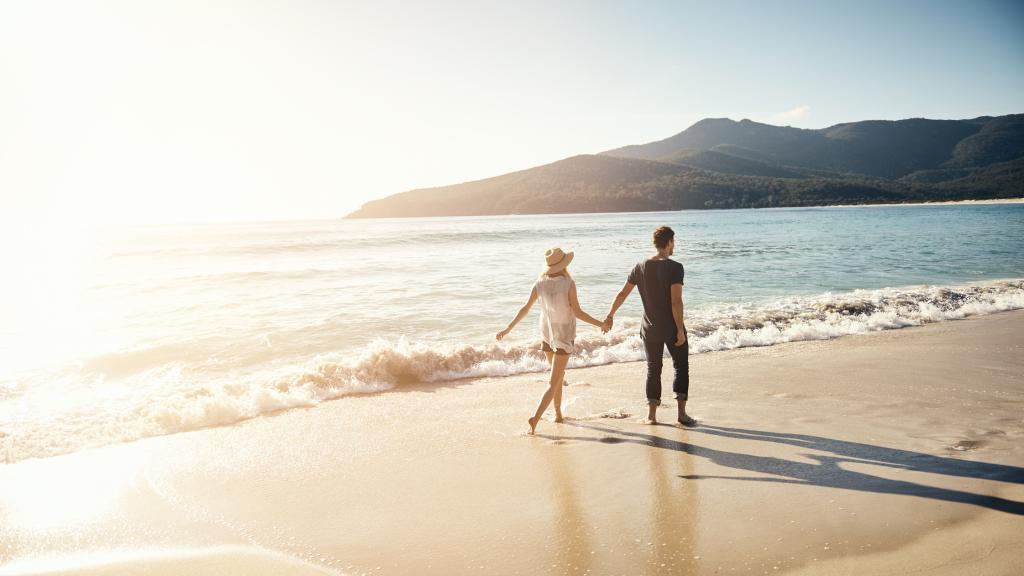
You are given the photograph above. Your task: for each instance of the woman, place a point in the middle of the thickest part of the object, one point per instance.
(559, 310)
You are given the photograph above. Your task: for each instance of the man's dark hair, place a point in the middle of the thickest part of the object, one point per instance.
(662, 236)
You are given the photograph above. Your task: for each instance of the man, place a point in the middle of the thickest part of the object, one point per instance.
(660, 280)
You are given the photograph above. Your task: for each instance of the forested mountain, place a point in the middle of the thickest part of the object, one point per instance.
(721, 163)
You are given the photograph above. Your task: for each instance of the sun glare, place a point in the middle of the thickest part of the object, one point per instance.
(44, 299)
(59, 494)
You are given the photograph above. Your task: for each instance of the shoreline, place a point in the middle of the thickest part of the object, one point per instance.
(843, 449)
(867, 205)
(819, 317)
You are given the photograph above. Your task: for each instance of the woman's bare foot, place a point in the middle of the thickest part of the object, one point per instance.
(533, 424)
(558, 418)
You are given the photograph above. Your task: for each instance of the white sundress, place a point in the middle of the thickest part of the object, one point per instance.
(557, 322)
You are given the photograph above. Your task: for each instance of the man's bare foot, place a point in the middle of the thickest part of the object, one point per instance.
(533, 424)
(650, 421)
(685, 421)
(652, 415)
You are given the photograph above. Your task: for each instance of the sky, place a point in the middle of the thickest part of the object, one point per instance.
(118, 113)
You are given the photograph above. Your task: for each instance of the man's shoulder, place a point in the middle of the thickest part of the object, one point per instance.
(674, 271)
(669, 263)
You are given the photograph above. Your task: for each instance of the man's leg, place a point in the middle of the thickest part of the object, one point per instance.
(655, 350)
(681, 381)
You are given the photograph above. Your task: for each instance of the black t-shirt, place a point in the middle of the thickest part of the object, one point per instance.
(654, 280)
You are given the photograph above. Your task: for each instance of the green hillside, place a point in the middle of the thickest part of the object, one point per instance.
(721, 163)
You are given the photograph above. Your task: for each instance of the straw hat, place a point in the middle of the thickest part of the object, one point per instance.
(557, 260)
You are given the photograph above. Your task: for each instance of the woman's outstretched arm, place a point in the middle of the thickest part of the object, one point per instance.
(578, 312)
(522, 314)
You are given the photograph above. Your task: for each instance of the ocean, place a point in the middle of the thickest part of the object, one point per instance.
(175, 328)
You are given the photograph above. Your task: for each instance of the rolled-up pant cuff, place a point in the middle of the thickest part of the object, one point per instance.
(657, 401)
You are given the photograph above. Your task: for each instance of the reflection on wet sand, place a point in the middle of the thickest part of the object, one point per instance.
(659, 538)
(674, 519)
(573, 552)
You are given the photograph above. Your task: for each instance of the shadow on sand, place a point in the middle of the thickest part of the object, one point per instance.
(827, 470)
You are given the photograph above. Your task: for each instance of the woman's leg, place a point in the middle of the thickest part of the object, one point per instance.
(550, 354)
(557, 389)
(551, 360)
(554, 386)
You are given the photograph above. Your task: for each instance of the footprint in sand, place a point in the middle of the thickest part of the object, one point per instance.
(964, 445)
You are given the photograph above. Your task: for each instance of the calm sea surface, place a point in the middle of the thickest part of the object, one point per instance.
(177, 328)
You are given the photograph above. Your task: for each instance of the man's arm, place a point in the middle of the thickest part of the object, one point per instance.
(627, 288)
(677, 313)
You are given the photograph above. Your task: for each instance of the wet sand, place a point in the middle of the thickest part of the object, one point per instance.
(888, 453)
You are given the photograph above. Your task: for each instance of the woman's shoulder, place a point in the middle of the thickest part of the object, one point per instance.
(554, 282)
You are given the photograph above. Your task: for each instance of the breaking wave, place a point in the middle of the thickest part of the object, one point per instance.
(387, 365)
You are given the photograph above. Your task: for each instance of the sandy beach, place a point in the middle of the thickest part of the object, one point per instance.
(280, 279)
(890, 453)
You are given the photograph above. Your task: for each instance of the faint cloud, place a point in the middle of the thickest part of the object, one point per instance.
(790, 116)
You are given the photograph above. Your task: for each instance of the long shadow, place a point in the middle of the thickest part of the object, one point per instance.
(828, 472)
(869, 453)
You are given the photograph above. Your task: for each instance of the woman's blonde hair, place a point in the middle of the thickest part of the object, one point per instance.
(562, 272)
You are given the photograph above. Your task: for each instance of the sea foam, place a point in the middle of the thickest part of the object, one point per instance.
(389, 364)
(386, 365)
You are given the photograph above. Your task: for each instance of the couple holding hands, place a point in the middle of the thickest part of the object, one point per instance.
(660, 283)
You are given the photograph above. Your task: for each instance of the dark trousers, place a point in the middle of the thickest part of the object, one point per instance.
(655, 345)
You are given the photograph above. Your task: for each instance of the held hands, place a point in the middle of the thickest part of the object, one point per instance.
(606, 326)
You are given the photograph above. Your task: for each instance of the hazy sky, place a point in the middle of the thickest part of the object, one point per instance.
(144, 111)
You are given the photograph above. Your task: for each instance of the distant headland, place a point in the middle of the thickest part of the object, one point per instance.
(722, 163)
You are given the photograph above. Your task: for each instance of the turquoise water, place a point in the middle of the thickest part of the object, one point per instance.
(176, 328)
(736, 256)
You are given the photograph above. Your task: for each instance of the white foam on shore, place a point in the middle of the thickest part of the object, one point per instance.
(387, 365)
